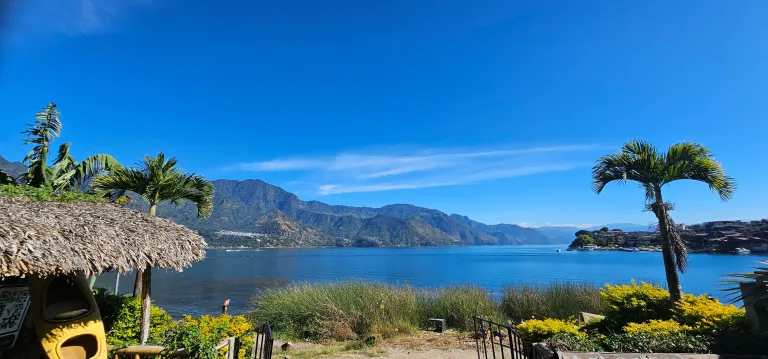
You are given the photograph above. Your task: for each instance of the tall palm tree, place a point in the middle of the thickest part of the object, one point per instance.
(45, 129)
(157, 180)
(66, 172)
(641, 162)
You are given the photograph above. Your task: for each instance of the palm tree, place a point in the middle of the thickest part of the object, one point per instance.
(66, 172)
(157, 180)
(45, 129)
(641, 162)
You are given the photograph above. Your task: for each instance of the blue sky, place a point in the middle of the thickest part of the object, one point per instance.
(493, 109)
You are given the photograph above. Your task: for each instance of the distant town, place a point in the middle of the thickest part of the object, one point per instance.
(736, 237)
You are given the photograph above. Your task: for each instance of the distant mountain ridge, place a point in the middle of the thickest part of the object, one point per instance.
(12, 168)
(255, 213)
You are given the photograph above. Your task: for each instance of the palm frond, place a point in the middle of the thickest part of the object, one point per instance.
(637, 161)
(755, 285)
(693, 161)
(679, 246)
(123, 179)
(158, 180)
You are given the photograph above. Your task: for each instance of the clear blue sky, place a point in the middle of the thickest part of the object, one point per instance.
(493, 109)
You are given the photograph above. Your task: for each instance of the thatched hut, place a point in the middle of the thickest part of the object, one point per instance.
(43, 242)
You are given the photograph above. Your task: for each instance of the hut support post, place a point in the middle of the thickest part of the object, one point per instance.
(117, 282)
(146, 284)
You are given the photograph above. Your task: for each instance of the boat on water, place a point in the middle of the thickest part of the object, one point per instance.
(741, 251)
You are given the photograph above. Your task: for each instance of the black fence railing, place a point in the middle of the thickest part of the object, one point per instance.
(263, 342)
(499, 341)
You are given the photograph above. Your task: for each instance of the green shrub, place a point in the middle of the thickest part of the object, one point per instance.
(109, 306)
(537, 330)
(656, 343)
(571, 342)
(558, 300)
(346, 310)
(458, 305)
(45, 194)
(124, 329)
(634, 303)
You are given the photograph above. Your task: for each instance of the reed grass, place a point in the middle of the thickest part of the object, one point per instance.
(356, 310)
(557, 300)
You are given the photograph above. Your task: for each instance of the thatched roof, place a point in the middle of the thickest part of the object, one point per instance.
(53, 238)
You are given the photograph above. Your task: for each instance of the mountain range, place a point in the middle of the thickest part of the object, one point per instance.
(253, 213)
(12, 168)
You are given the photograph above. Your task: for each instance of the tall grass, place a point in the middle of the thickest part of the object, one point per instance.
(458, 305)
(355, 310)
(558, 300)
(346, 310)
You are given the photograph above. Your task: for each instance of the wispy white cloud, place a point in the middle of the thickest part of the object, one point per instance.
(72, 17)
(456, 180)
(387, 170)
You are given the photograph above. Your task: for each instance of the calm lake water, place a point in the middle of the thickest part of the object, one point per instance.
(236, 275)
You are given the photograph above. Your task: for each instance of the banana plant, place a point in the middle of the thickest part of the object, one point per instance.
(66, 173)
(70, 174)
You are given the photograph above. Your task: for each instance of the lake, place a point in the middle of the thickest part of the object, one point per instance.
(236, 275)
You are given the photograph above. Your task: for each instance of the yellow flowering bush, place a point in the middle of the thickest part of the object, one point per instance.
(661, 327)
(536, 330)
(634, 303)
(706, 315)
(210, 330)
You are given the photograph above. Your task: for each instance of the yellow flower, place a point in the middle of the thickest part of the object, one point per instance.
(664, 327)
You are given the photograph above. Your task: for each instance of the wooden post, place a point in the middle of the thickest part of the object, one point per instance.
(117, 282)
(231, 353)
(224, 307)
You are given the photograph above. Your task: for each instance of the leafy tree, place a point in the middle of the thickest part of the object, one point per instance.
(604, 229)
(156, 181)
(66, 173)
(581, 241)
(583, 233)
(641, 162)
(45, 129)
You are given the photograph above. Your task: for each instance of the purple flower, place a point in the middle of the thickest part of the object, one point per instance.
(57, 193)
(19, 181)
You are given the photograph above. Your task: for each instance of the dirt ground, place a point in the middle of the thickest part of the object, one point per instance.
(422, 345)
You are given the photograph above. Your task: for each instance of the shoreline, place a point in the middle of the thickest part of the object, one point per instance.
(555, 246)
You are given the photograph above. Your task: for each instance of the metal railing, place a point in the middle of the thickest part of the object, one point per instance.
(494, 340)
(263, 342)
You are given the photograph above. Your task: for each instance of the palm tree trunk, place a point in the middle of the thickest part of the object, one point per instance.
(673, 280)
(146, 287)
